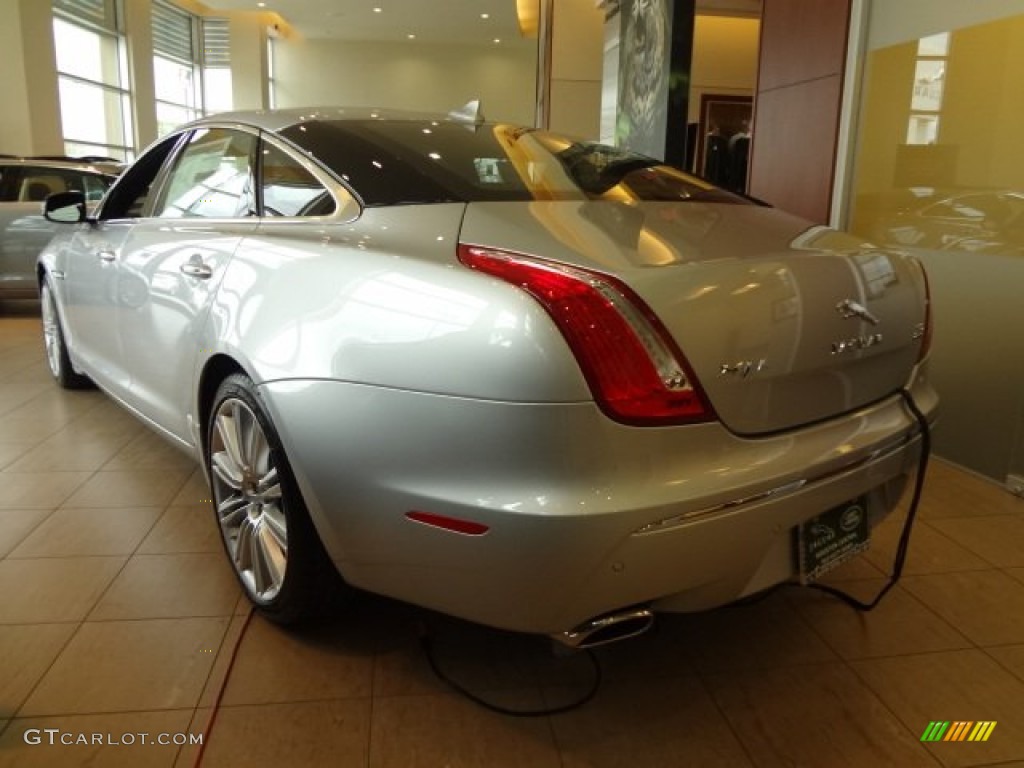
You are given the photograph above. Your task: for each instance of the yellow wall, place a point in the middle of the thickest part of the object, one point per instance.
(975, 261)
(724, 58)
(30, 117)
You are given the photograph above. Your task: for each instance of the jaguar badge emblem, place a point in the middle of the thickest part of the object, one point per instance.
(850, 308)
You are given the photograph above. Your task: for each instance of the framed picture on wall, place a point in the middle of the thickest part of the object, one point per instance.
(723, 139)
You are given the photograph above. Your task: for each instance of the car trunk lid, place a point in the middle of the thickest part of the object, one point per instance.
(783, 323)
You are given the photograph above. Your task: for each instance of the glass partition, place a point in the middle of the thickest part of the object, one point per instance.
(939, 172)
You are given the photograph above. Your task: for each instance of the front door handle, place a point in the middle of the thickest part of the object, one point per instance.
(195, 267)
(106, 255)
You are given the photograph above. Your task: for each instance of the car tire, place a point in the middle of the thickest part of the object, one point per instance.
(266, 530)
(57, 357)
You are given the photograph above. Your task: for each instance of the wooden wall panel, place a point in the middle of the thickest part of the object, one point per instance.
(796, 120)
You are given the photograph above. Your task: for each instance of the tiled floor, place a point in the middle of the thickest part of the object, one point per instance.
(118, 615)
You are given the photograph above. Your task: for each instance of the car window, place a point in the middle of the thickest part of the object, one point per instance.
(94, 186)
(288, 189)
(211, 178)
(395, 162)
(130, 194)
(8, 184)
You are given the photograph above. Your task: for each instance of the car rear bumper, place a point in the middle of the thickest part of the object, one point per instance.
(584, 516)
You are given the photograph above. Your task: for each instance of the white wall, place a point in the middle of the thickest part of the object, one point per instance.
(421, 77)
(897, 21)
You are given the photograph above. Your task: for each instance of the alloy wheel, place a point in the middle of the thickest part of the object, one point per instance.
(247, 496)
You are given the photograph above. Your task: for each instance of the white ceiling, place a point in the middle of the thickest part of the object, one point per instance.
(432, 21)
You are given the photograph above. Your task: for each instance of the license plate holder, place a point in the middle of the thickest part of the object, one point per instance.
(832, 538)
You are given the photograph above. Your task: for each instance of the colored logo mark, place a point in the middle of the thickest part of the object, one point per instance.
(960, 730)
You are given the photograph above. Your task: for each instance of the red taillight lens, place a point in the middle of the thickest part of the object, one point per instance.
(633, 368)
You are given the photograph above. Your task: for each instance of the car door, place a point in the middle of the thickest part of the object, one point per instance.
(92, 284)
(172, 262)
(23, 230)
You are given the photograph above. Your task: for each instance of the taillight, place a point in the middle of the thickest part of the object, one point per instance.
(634, 370)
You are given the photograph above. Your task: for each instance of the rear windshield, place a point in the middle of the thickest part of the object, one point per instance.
(422, 161)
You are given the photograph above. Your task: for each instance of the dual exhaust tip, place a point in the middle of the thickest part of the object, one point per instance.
(609, 628)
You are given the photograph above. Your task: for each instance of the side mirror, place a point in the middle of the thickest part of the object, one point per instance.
(65, 207)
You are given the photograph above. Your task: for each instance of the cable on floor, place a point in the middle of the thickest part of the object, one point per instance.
(220, 692)
(427, 644)
(908, 524)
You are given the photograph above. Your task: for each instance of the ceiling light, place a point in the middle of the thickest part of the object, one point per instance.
(497, 39)
(378, 10)
(411, 36)
(261, 5)
(485, 15)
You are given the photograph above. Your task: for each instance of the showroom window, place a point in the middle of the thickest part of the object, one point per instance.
(216, 59)
(175, 67)
(92, 78)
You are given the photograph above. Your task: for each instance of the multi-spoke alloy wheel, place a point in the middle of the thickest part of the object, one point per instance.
(266, 529)
(247, 493)
(53, 338)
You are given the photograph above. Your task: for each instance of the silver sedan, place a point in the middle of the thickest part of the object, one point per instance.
(535, 382)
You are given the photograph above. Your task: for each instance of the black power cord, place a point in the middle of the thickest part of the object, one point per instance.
(908, 524)
(426, 642)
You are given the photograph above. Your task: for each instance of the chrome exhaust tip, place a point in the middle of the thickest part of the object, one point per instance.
(609, 628)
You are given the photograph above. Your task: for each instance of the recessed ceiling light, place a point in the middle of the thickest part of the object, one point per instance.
(261, 5)
(497, 39)
(411, 36)
(378, 10)
(485, 15)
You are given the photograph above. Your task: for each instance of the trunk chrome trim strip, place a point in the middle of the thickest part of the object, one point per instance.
(688, 517)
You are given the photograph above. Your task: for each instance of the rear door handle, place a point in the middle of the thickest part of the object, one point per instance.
(196, 267)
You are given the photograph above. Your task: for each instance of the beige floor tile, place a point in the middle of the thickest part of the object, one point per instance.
(224, 658)
(17, 426)
(815, 716)
(477, 657)
(64, 453)
(430, 731)
(998, 539)
(170, 586)
(1010, 656)
(931, 551)
(986, 606)
(130, 488)
(16, 524)
(149, 450)
(953, 492)
(646, 722)
(53, 589)
(296, 735)
(90, 531)
(184, 529)
(11, 452)
(196, 491)
(326, 660)
(721, 639)
(898, 625)
(38, 490)
(27, 651)
(128, 740)
(854, 569)
(1016, 573)
(956, 685)
(123, 666)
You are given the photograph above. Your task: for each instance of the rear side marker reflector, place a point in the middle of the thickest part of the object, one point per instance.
(634, 369)
(465, 527)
